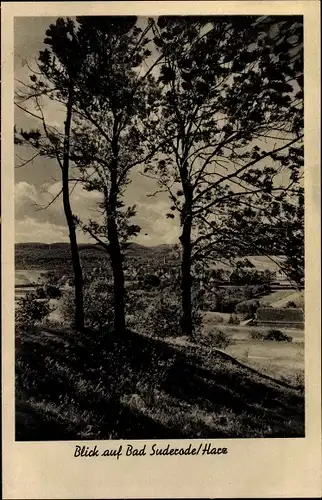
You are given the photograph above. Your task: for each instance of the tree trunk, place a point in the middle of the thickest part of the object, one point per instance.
(118, 276)
(77, 268)
(186, 280)
(114, 244)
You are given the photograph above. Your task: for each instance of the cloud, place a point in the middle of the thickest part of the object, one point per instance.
(33, 191)
(156, 227)
(47, 225)
(30, 230)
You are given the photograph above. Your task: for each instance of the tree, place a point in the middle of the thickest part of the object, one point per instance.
(232, 112)
(112, 97)
(116, 96)
(281, 234)
(55, 79)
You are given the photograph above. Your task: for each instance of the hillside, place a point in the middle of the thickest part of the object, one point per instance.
(136, 387)
(57, 255)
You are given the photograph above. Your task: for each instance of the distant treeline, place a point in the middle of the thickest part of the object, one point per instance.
(58, 255)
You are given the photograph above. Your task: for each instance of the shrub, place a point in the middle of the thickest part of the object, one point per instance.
(53, 292)
(244, 275)
(30, 311)
(247, 308)
(258, 290)
(150, 281)
(233, 320)
(229, 305)
(291, 304)
(158, 314)
(299, 381)
(225, 300)
(165, 314)
(139, 309)
(220, 339)
(40, 293)
(98, 305)
(222, 301)
(278, 336)
(256, 335)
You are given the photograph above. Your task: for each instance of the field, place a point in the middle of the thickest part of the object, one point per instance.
(279, 298)
(284, 361)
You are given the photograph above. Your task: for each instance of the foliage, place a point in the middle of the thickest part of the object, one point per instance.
(279, 315)
(98, 305)
(47, 291)
(30, 311)
(150, 281)
(247, 308)
(233, 320)
(162, 317)
(256, 335)
(278, 336)
(218, 175)
(220, 339)
(214, 113)
(226, 300)
(244, 276)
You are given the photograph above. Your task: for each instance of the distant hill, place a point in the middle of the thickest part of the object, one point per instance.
(57, 256)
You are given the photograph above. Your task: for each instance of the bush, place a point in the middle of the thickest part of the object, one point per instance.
(150, 281)
(291, 304)
(278, 336)
(258, 290)
(40, 293)
(299, 381)
(256, 335)
(244, 275)
(30, 312)
(221, 302)
(165, 313)
(158, 315)
(53, 292)
(220, 339)
(139, 308)
(233, 320)
(225, 300)
(247, 308)
(98, 305)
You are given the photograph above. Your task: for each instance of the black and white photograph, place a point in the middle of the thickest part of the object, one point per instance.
(159, 227)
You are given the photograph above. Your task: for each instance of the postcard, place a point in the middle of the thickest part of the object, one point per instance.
(161, 260)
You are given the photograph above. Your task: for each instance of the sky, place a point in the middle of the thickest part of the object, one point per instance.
(38, 182)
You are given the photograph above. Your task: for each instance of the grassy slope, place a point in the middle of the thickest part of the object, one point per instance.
(140, 388)
(274, 297)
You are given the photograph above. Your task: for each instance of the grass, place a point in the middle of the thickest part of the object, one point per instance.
(101, 386)
(283, 361)
(267, 300)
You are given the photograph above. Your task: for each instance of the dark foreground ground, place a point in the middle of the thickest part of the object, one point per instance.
(100, 386)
